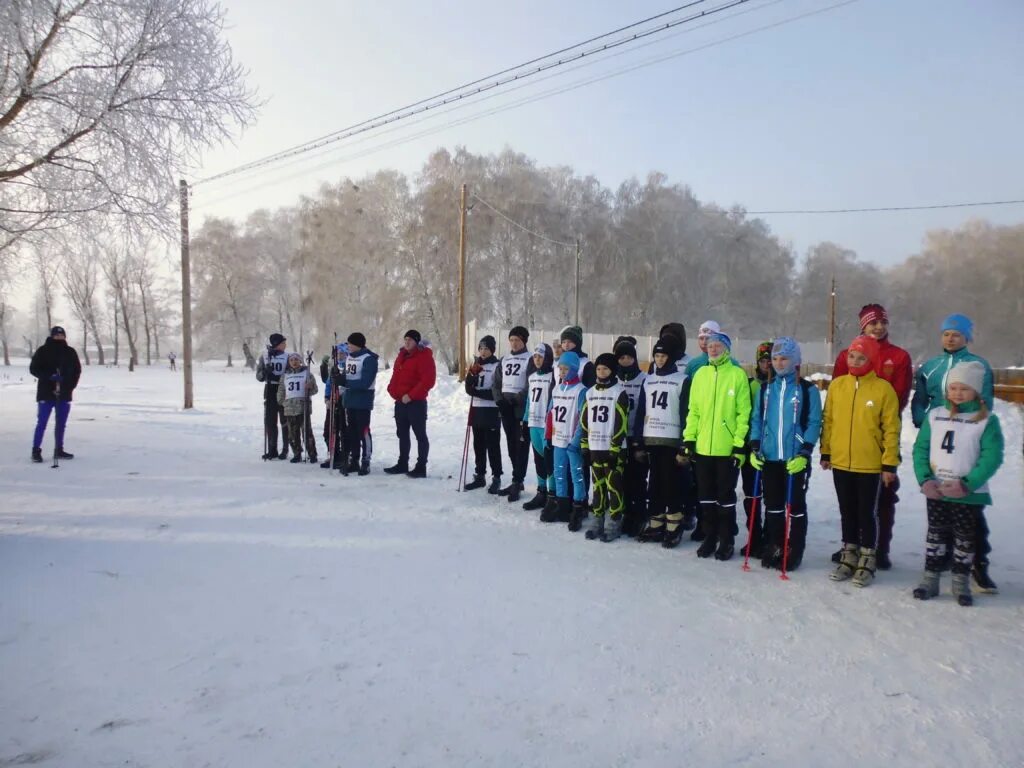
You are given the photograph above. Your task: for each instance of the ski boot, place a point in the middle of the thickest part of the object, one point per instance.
(847, 563)
(865, 567)
(579, 512)
(673, 530)
(478, 481)
(595, 527)
(962, 589)
(550, 512)
(538, 501)
(982, 579)
(419, 471)
(400, 468)
(612, 528)
(929, 586)
(654, 531)
(37, 455)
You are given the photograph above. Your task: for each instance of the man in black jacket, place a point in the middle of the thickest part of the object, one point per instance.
(269, 370)
(56, 366)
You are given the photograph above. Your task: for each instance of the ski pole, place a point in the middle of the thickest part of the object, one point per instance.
(755, 511)
(332, 441)
(266, 428)
(789, 496)
(465, 448)
(56, 413)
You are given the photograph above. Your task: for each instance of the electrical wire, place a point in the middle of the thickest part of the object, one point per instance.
(522, 226)
(935, 207)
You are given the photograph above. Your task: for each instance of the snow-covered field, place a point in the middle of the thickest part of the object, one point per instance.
(168, 599)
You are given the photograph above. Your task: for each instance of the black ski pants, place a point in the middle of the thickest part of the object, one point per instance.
(487, 441)
(666, 488)
(412, 415)
(272, 415)
(716, 484)
(358, 440)
(857, 493)
(636, 473)
(516, 441)
(775, 485)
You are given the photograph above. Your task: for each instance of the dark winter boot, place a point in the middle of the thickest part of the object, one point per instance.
(398, 469)
(673, 530)
(550, 511)
(313, 459)
(563, 512)
(709, 529)
(37, 455)
(579, 512)
(797, 541)
(325, 464)
(962, 589)
(64, 455)
(513, 492)
(364, 469)
(420, 470)
(351, 467)
(296, 459)
(478, 481)
(771, 556)
(283, 455)
(982, 579)
(612, 528)
(539, 501)
(882, 561)
(495, 485)
(654, 530)
(837, 555)
(929, 586)
(595, 527)
(726, 537)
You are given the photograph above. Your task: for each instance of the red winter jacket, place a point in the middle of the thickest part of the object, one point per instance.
(893, 365)
(414, 374)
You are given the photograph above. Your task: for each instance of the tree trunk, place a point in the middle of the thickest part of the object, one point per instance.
(96, 340)
(230, 364)
(7, 356)
(85, 343)
(133, 357)
(117, 348)
(145, 323)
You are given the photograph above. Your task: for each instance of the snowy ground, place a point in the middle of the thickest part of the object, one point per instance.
(170, 600)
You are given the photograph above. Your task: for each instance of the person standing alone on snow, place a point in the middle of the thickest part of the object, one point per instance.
(172, 359)
(894, 366)
(269, 370)
(294, 394)
(56, 366)
(412, 379)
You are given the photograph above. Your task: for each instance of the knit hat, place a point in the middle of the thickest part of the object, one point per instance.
(414, 335)
(709, 327)
(969, 372)
(572, 333)
(961, 323)
(570, 360)
(787, 346)
(625, 347)
(667, 345)
(608, 360)
(764, 351)
(678, 330)
(489, 342)
(57, 331)
(544, 350)
(357, 338)
(720, 337)
(276, 338)
(541, 349)
(519, 332)
(871, 313)
(867, 346)
(294, 356)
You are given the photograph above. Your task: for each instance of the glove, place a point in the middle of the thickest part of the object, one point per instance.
(640, 455)
(690, 448)
(796, 465)
(757, 461)
(682, 457)
(953, 489)
(931, 489)
(325, 360)
(475, 369)
(738, 459)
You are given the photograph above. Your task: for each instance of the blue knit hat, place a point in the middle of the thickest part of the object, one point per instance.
(961, 323)
(787, 346)
(720, 337)
(570, 360)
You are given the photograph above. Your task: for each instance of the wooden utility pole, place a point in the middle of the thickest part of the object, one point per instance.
(832, 322)
(186, 296)
(577, 314)
(460, 334)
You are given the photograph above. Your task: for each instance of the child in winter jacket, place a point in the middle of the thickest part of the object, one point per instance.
(715, 439)
(657, 435)
(930, 391)
(784, 427)
(860, 443)
(603, 424)
(539, 386)
(294, 393)
(358, 380)
(510, 395)
(563, 426)
(957, 451)
(635, 472)
(748, 473)
(484, 416)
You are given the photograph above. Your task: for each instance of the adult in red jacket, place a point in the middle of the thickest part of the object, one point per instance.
(413, 377)
(892, 364)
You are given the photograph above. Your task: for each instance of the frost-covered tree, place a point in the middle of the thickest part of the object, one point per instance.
(103, 103)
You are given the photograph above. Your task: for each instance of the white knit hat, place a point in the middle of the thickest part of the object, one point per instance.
(708, 327)
(970, 373)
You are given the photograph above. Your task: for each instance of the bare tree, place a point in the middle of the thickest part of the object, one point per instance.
(103, 101)
(119, 267)
(46, 271)
(80, 280)
(6, 310)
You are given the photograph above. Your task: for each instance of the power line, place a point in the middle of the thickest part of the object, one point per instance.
(887, 208)
(522, 226)
(396, 115)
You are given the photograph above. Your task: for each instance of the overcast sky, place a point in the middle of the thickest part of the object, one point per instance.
(875, 103)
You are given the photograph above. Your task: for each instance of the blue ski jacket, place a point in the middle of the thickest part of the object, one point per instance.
(786, 418)
(359, 390)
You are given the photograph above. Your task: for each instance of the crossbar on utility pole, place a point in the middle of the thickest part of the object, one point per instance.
(461, 330)
(186, 296)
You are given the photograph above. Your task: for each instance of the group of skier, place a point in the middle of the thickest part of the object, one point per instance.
(663, 449)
